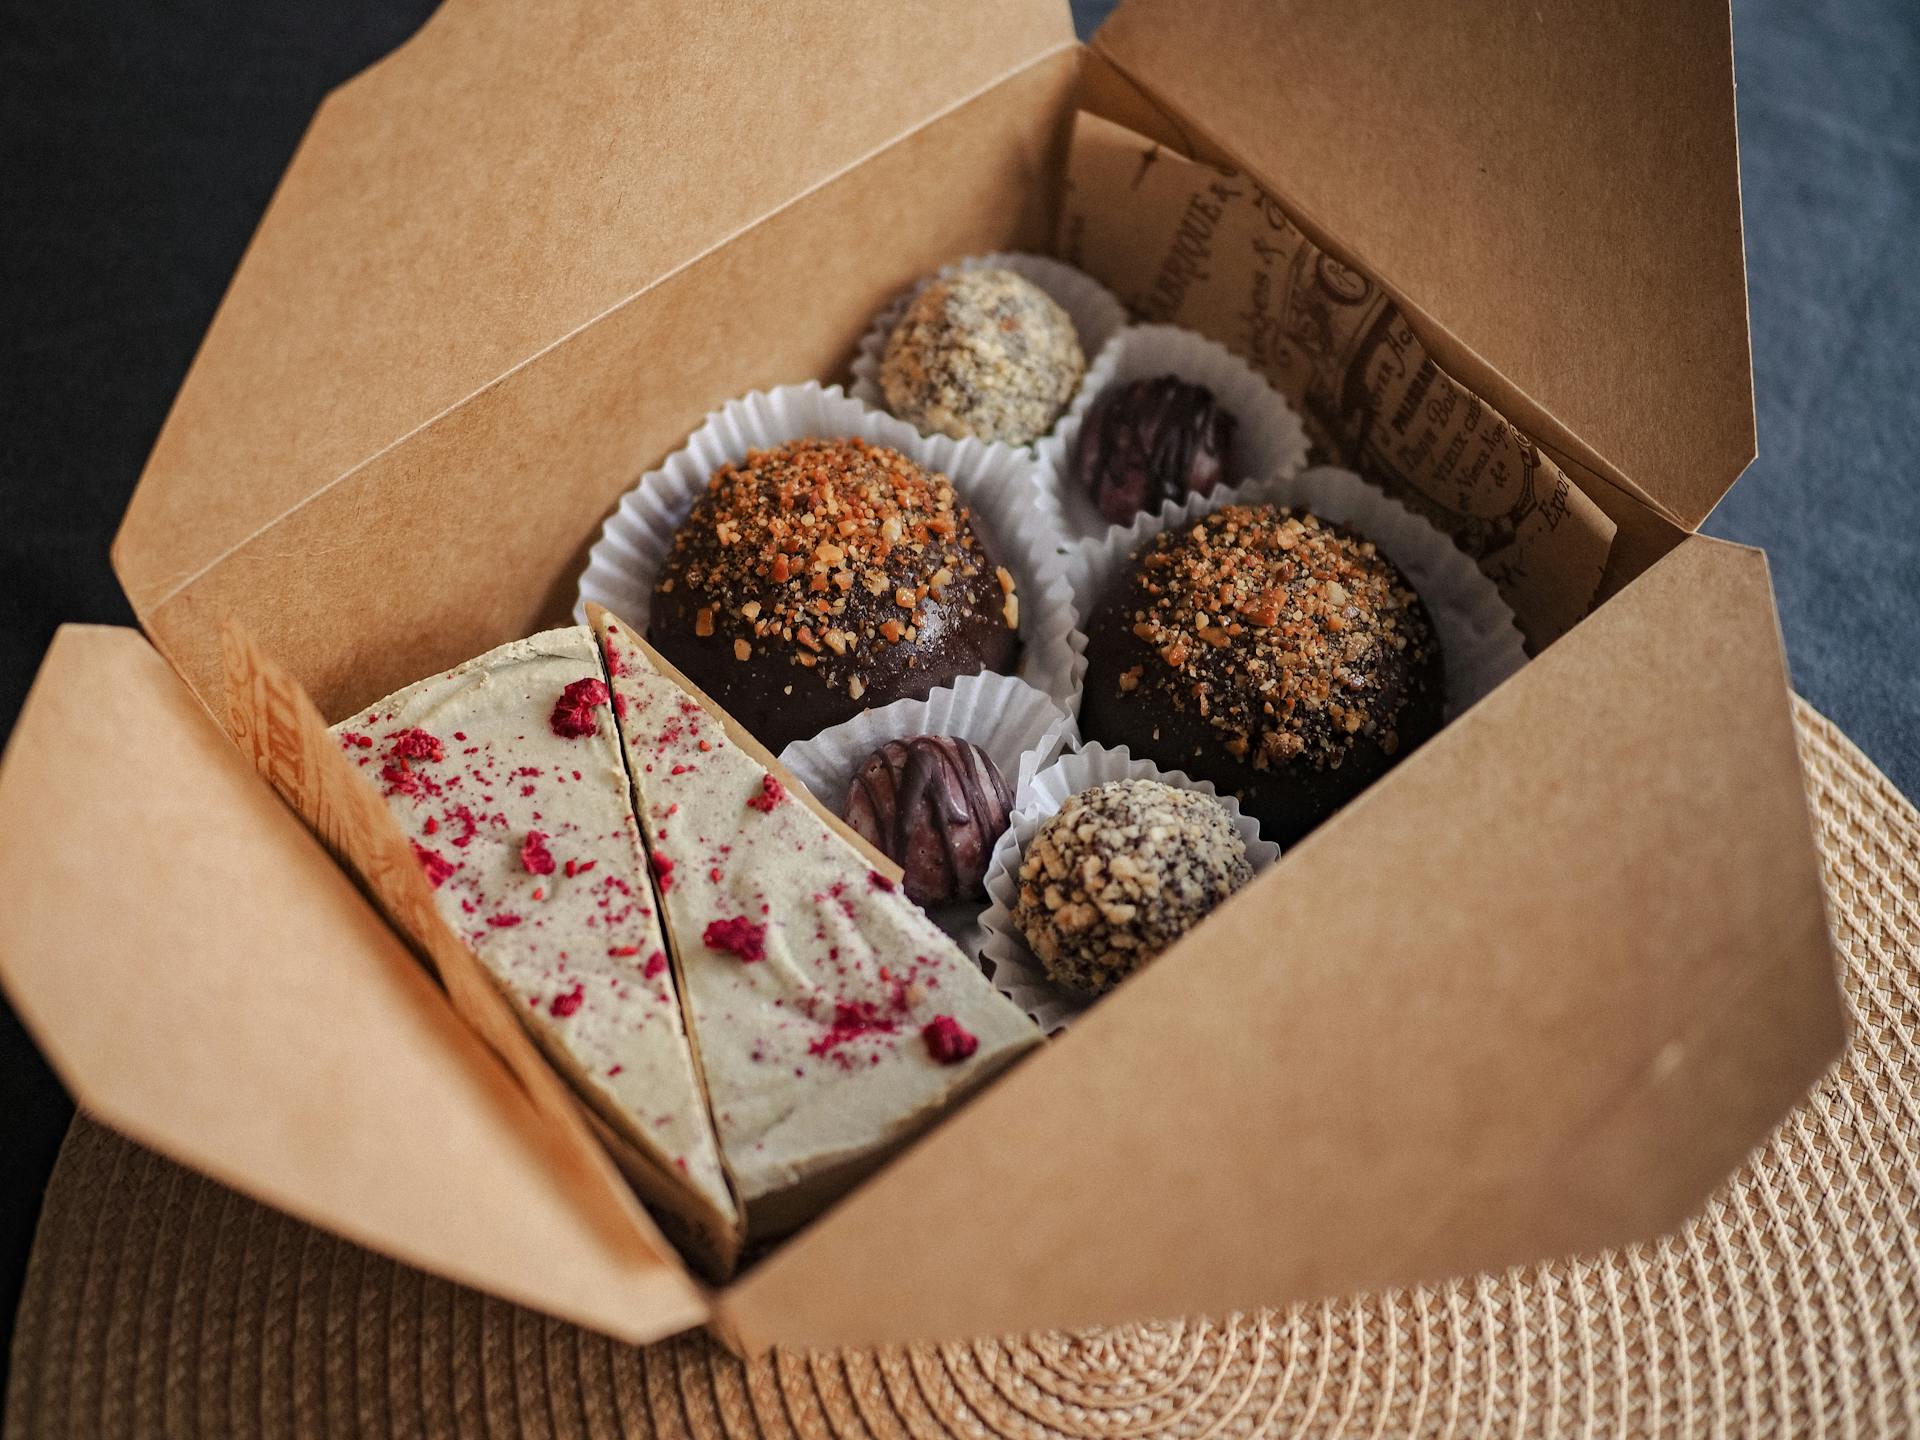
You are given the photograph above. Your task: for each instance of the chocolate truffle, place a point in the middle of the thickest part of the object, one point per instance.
(934, 805)
(1121, 872)
(821, 577)
(1150, 441)
(983, 353)
(1281, 657)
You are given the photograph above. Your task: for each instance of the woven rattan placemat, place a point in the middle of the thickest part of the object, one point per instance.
(159, 1303)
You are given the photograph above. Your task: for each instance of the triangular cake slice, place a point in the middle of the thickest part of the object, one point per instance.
(833, 1019)
(506, 773)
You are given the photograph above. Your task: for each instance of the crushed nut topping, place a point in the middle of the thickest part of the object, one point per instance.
(1119, 873)
(1273, 626)
(821, 548)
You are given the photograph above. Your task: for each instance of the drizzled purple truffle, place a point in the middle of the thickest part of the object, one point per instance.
(1150, 441)
(934, 805)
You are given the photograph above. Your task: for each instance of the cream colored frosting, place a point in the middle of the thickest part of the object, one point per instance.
(810, 981)
(567, 924)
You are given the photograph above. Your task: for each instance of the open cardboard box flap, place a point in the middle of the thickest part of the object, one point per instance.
(493, 289)
(500, 180)
(207, 980)
(1557, 186)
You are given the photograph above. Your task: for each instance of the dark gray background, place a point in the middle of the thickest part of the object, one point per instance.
(140, 140)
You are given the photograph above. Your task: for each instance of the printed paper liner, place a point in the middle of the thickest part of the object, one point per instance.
(1096, 314)
(997, 482)
(1021, 728)
(1478, 634)
(1270, 440)
(1012, 967)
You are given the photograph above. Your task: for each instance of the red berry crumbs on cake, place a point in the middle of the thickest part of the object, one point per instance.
(535, 858)
(947, 1040)
(437, 866)
(852, 1020)
(656, 963)
(573, 714)
(772, 792)
(737, 936)
(565, 1004)
(415, 744)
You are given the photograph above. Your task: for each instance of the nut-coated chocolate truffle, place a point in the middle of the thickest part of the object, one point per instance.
(1150, 441)
(1281, 657)
(984, 353)
(934, 805)
(1121, 872)
(821, 577)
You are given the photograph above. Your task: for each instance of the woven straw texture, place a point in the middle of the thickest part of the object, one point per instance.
(159, 1303)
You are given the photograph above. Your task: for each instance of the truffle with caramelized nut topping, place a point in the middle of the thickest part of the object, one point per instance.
(984, 353)
(1121, 872)
(1281, 657)
(821, 577)
(935, 805)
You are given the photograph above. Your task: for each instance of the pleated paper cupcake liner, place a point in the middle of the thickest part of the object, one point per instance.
(1095, 313)
(1014, 969)
(1269, 439)
(1478, 635)
(1021, 729)
(997, 483)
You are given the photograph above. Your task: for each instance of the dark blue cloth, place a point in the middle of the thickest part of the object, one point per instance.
(1830, 178)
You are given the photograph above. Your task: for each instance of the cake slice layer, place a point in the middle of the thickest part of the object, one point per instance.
(832, 1018)
(506, 774)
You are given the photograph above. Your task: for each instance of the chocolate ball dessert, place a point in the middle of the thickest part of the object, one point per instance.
(1121, 872)
(934, 805)
(1281, 657)
(821, 577)
(1148, 442)
(983, 353)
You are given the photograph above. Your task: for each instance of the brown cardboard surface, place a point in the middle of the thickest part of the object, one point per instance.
(503, 179)
(1535, 992)
(1557, 184)
(524, 472)
(207, 980)
(1214, 250)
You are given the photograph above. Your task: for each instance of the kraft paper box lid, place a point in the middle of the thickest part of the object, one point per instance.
(494, 185)
(206, 979)
(1555, 184)
(1627, 981)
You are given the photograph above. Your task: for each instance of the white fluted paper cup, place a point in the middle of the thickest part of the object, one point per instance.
(1015, 970)
(1095, 312)
(997, 482)
(1269, 439)
(1021, 729)
(1478, 635)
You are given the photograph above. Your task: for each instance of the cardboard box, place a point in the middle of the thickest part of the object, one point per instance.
(1534, 993)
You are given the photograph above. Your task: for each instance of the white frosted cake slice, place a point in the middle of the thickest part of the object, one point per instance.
(507, 775)
(834, 1020)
